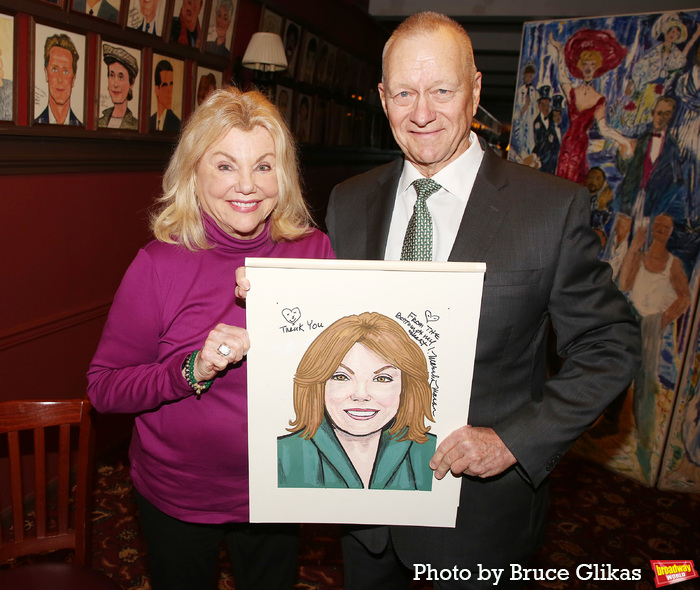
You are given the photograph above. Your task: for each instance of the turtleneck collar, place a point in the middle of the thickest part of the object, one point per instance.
(223, 241)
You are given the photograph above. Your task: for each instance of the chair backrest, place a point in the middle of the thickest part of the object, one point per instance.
(60, 507)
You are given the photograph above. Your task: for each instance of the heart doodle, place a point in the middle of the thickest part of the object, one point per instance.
(291, 315)
(430, 317)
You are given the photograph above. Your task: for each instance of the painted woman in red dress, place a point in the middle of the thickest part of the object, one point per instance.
(587, 54)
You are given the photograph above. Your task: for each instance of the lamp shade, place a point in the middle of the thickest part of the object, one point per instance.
(265, 52)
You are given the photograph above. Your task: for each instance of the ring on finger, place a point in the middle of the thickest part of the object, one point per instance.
(224, 349)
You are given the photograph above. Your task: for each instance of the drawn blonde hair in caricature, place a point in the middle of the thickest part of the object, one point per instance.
(385, 338)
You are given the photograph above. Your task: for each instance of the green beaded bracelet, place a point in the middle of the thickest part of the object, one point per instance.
(188, 367)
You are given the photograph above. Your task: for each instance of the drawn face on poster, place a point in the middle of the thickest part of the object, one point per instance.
(292, 40)
(7, 31)
(362, 383)
(59, 80)
(187, 22)
(208, 81)
(166, 95)
(107, 9)
(220, 32)
(271, 22)
(283, 100)
(147, 16)
(119, 87)
(302, 124)
(308, 61)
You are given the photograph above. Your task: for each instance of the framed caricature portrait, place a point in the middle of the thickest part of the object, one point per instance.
(283, 100)
(271, 22)
(166, 94)
(308, 58)
(105, 9)
(59, 77)
(324, 64)
(7, 60)
(292, 40)
(207, 81)
(147, 16)
(302, 119)
(222, 16)
(119, 87)
(186, 23)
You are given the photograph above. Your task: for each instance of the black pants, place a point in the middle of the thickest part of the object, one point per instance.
(184, 555)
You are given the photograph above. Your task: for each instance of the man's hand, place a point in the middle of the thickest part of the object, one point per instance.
(473, 451)
(242, 283)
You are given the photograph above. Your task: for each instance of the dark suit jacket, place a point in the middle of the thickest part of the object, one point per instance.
(171, 122)
(531, 229)
(664, 192)
(106, 11)
(547, 144)
(43, 118)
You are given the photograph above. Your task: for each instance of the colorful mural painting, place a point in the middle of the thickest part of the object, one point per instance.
(613, 103)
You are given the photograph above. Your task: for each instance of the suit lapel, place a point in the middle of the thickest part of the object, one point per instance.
(380, 207)
(484, 213)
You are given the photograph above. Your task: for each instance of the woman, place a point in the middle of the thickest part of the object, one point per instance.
(217, 43)
(588, 54)
(361, 397)
(173, 349)
(122, 70)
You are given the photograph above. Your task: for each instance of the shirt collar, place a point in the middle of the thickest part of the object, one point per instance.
(455, 176)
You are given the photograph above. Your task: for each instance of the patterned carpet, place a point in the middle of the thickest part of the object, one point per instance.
(596, 517)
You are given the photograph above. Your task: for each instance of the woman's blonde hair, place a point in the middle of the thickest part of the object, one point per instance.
(590, 55)
(178, 218)
(386, 338)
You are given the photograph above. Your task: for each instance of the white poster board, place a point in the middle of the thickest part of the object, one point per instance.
(290, 305)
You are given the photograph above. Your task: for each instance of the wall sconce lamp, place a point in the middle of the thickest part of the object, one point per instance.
(265, 54)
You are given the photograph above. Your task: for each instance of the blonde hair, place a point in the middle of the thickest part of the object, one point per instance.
(178, 219)
(425, 23)
(386, 338)
(590, 55)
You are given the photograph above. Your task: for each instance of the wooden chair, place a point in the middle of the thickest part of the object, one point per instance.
(61, 516)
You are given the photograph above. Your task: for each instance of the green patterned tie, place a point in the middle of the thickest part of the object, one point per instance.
(418, 242)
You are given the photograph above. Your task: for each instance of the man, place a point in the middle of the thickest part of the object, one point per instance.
(60, 68)
(145, 17)
(532, 231)
(185, 28)
(547, 142)
(653, 176)
(164, 119)
(99, 8)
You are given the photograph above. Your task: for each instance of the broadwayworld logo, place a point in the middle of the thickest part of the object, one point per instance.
(668, 572)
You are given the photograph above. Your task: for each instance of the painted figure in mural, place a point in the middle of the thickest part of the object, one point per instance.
(173, 349)
(164, 119)
(659, 295)
(185, 28)
(5, 94)
(601, 196)
(686, 127)
(60, 68)
(145, 16)
(525, 112)
(653, 175)
(691, 431)
(653, 73)
(122, 70)
(618, 244)
(104, 10)
(224, 18)
(361, 398)
(587, 55)
(547, 133)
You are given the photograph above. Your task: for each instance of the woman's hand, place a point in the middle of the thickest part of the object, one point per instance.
(242, 284)
(211, 358)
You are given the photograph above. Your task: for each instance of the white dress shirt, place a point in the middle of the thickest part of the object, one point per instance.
(446, 206)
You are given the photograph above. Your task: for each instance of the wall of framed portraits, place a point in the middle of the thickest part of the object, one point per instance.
(89, 111)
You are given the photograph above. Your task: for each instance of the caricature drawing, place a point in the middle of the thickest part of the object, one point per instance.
(361, 398)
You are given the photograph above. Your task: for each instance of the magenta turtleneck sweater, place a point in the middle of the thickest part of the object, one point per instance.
(189, 456)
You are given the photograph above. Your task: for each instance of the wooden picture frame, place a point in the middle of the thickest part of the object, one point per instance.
(307, 59)
(283, 99)
(61, 88)
(182, 13)
(109, 10)
(220, 26)
(147, 16)
(271, 22)
(206, 80)
(291, 40)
